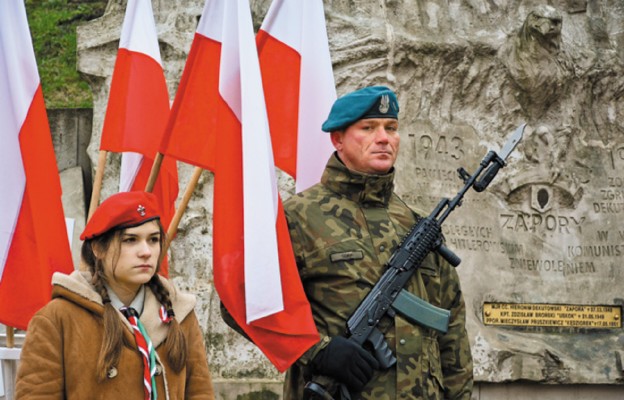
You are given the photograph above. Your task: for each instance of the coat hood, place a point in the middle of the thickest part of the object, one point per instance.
(77, 288)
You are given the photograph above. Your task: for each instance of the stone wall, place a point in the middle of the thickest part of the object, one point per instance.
(71, 134)
(548, 232)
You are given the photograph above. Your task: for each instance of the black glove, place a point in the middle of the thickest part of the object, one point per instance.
(347, 362)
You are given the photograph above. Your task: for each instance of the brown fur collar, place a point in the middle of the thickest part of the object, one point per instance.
(77, 288)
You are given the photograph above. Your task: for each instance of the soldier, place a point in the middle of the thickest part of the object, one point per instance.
(344, 229)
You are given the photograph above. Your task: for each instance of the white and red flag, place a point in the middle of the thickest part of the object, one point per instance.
(138, 109)
(299, 86)
(219, 122)
(33, 238)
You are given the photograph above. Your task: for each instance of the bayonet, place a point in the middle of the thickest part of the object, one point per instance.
(498, 160)
(512, 142)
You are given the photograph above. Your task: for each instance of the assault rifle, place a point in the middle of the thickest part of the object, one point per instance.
(388, 295)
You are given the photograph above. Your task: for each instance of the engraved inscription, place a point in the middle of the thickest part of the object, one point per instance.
(564, 267)
(478, 238)
(486, 246)
(611, 194)
(436, 174)
(552, 315)
(615, 181)
(609, 250)
(611, 197)
(525, 222)
(608, 208)
(468, 230)
(617, 157)
(442, 145)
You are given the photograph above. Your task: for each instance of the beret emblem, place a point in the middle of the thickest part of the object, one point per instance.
(141, 210)
(384, 104)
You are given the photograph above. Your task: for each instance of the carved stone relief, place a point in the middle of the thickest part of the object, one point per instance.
(549, 230)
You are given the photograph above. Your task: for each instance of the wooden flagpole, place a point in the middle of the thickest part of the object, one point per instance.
(10, 337)
(154, 172)
(188, 192)
(97, 184)
(95, 194)
(175, 221)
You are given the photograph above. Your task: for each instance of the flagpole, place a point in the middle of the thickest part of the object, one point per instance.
(154, 172)
(10, 336)
(97, 184)
(175, 221)
(95, 195)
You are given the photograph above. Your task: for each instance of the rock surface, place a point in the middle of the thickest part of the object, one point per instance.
(467, 73)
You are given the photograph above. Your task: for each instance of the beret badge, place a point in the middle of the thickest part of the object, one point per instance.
(384, 104)
(141, 210)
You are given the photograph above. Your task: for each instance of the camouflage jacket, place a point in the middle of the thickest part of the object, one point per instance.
(344, 230)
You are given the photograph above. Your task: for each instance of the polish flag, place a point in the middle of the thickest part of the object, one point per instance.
(33, 237)
(138, 109)
(298, 85)
(219, 122)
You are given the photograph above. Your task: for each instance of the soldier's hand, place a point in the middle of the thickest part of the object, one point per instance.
(346, 362)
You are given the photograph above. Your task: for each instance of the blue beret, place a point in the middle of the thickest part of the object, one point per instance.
(369, 102)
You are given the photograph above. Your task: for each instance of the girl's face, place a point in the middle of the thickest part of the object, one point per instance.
(137, 259)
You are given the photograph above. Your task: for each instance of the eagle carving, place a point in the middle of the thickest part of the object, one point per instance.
(535, 62)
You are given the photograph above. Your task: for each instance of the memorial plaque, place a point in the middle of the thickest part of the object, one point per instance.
(552, 315)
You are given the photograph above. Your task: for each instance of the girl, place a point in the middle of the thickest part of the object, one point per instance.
(118, 331)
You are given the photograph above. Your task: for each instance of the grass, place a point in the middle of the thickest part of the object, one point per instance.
(53, 29)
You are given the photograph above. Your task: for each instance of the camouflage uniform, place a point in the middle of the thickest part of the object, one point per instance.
(343, 231)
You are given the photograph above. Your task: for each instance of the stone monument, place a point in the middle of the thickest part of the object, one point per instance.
(542, 248)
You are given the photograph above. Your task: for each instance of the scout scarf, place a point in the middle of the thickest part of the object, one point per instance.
(146, 348)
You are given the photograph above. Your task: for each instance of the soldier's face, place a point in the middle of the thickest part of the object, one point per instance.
(370, 146)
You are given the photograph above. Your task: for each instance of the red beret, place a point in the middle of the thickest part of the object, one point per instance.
(122, 210)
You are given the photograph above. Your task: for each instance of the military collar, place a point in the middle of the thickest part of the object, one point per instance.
(365, 189)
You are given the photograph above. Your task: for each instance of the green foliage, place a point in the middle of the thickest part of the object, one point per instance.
(53, 29)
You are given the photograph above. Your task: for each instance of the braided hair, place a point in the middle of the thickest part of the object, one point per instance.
(176, 352)
(114, 338)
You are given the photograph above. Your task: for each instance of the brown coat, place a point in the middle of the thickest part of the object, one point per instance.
(63, 341)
